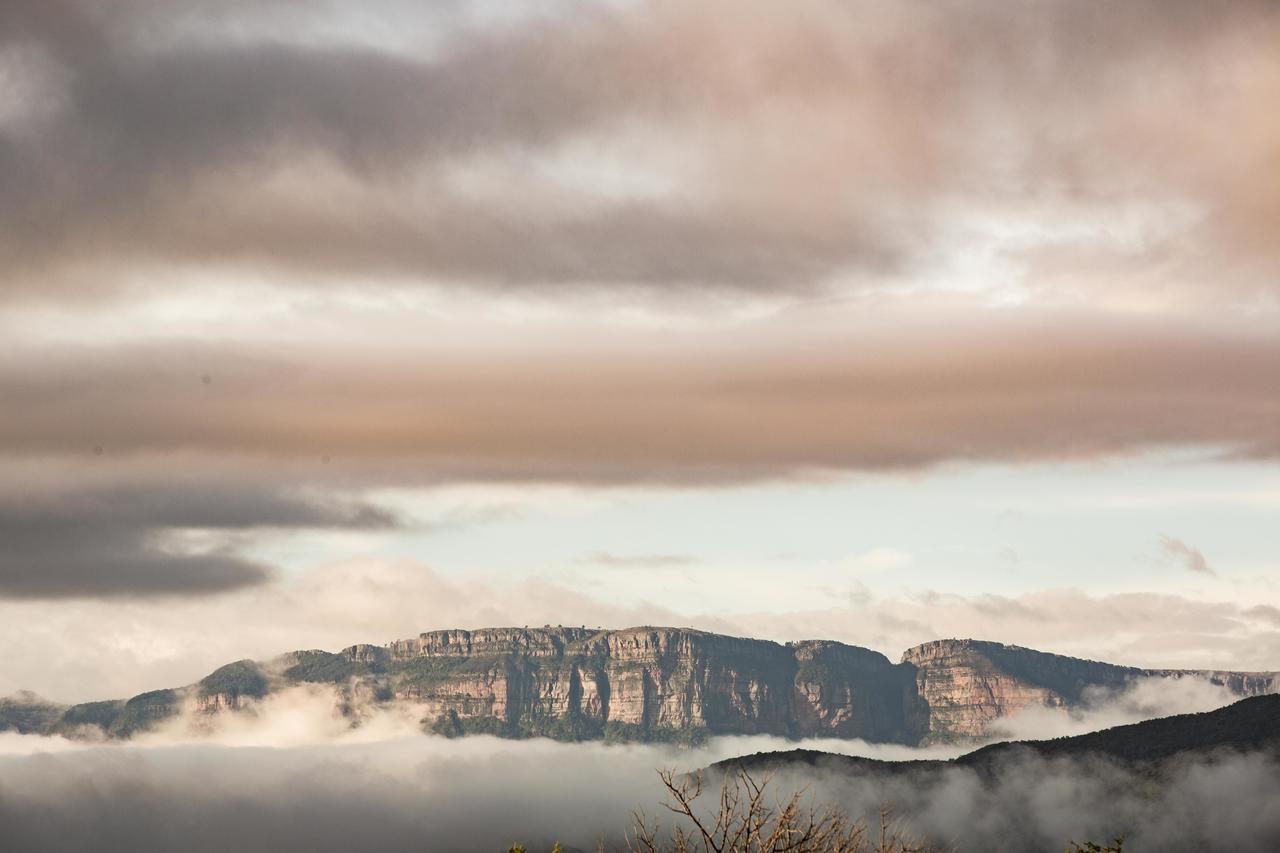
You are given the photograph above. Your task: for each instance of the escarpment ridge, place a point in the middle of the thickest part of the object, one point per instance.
(648, 684)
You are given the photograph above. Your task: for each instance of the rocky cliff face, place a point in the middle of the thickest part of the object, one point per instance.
(850, 692)
(965, 685)
(642, 680)
(664, 683)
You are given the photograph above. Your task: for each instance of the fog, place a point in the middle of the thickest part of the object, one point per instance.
(1221, 802)
(294, 774)
(1144, 699)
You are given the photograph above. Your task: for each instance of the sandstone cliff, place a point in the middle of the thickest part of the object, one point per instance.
(663, 684)
(669, 683)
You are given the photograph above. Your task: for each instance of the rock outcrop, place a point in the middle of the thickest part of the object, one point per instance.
(664, 684)
(965, 685)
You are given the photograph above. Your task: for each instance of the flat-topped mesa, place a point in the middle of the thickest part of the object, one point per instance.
(1065, 676)
(655, 645)
(365, 653)
(644, 681)
(680, 678)
(1070, 676)
(528, 642)
(651, 683)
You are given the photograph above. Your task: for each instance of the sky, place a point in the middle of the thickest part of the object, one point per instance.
(868, 321)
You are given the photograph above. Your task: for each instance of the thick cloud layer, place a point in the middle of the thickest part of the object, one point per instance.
(152, 154)
(665, 408)
(777, 150)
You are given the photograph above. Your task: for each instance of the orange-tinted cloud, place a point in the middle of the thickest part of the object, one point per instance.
(660, 408)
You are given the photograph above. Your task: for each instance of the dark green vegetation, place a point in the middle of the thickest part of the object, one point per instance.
(142, 711)
(449, 724)
(28, 714)
(98, 714)
(571, 729)
(242, 678)
(616, 732)
(116, 718)
(428, 672)
(325, 668)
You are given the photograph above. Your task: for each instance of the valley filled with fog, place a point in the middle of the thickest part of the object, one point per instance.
(292, 773)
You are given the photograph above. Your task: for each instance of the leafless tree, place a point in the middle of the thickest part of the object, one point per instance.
(748, 819)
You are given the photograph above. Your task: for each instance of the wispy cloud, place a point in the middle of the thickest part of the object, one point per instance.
(1191, 558)
(636, 561)
(881, 559)
(140, 644)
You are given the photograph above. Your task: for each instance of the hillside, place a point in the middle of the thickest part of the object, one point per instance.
(646, 684)
(1248, 725)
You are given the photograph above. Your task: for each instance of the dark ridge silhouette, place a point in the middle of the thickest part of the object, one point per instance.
(1249, 725)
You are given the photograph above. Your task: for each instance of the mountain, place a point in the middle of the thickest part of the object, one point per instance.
(647, 683)
(1193, 783)
(26, 713)
(1249, 725)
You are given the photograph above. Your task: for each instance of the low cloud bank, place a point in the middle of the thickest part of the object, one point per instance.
(428, 793)
(294, 775)
(1144, 699)
(1222, 802)
(313, 715)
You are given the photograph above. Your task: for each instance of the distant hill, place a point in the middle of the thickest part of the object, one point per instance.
(646, 684)
(1248, 725)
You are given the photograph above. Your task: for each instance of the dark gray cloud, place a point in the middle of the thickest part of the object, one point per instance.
(828, 140)
(121, 540)
(159, 151)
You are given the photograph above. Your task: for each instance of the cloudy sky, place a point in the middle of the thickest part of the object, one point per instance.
(883, 322)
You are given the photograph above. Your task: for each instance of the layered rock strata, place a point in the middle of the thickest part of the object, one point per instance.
(662, 683)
